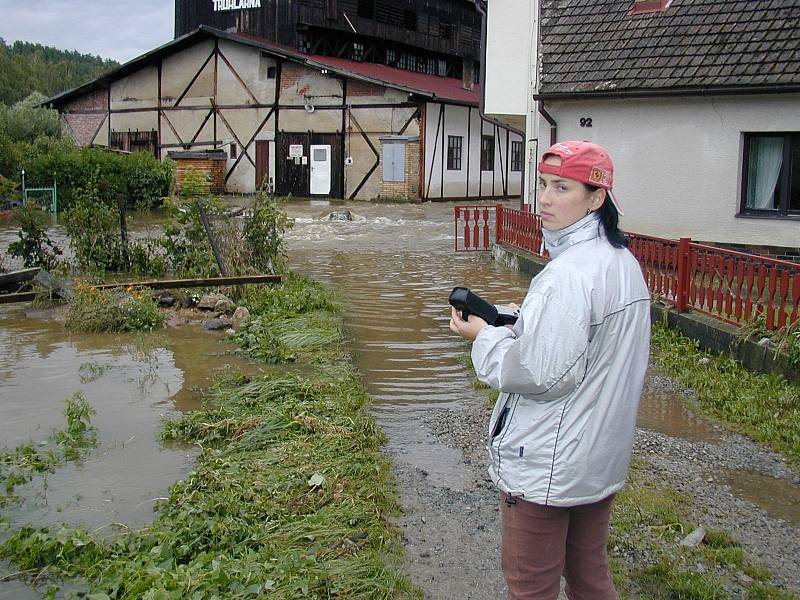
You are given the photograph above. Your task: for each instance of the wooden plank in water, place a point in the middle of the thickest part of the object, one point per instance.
(21, 297)
(162, 284)
(166, 284)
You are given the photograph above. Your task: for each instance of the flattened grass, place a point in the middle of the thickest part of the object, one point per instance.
(289, 499)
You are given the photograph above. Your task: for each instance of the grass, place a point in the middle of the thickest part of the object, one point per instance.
(648, 521)
(94, 311)
(289, 498)
(762, 406)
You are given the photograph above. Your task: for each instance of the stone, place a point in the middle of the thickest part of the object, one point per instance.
(704, 361)
(694, 539)
(166, 300)
(240, 316)
(209, 301)
(341, 215)
(224, 305)
(215, 324)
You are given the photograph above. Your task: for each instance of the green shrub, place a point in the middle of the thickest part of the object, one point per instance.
(263, 234)
(25, 121)
(34, 246)
(92, 310)
(98, 247)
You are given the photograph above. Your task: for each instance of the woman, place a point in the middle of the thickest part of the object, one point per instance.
(571, 372)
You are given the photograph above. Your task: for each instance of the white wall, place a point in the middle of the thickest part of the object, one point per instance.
(509, 36)
(469, 181)
(678, 162)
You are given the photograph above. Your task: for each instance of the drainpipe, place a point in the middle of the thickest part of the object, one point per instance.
(480, 5)
(549, 118)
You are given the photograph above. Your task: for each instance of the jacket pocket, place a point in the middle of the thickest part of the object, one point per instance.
(501, 422)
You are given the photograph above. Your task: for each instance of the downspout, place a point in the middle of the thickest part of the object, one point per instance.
(480, 6)
(549, 118)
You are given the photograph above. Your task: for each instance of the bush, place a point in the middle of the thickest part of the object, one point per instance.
(139, 178)
(100, 246)
(34, 246)
(93, 311)
(25, 121)
(263, 234)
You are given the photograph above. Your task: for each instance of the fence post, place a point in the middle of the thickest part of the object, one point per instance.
(498, 225)
(682, 293)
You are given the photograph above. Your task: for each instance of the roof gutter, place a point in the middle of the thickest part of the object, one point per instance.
(480, 6)
(672, 92)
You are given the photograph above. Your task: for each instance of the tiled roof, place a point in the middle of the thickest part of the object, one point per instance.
(591, 46)
(437, 88)
(442, 88)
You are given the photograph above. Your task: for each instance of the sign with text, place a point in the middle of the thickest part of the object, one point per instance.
(225, 5)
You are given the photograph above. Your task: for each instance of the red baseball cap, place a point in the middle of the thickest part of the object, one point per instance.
(585, 162)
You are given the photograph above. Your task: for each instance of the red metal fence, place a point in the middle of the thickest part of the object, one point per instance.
(732, 286)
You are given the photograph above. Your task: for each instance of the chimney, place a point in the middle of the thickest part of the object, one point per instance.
(648, 6)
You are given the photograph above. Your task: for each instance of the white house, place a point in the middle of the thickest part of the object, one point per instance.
(303, 124)
(698, 102)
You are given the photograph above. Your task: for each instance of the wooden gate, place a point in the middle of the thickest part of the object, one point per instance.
(292, 172)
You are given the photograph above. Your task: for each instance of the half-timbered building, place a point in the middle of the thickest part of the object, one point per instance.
(300, 124)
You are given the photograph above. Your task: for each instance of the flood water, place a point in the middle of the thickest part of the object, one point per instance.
(393, 268)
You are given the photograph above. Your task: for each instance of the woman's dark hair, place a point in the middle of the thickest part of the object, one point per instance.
(609, 218)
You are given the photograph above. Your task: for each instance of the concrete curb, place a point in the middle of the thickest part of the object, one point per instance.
(713, 335)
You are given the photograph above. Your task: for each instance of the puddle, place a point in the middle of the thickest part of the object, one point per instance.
(666, 413)
(132, 381)
(779, 498)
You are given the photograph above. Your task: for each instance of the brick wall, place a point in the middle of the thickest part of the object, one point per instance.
(214, 168)
(83, 127)
(359, 88)
(291, 74)
(408, 189)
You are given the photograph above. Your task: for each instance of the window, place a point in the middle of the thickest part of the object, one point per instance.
(771, 174)
(394, 161)
(445, 30)
(648, 6)
(410, 20)
(366, 9)
(487, 153)
(358, 52)
(303, 43)
(431, 66)
(407, 62)
(454, 152)
(234, 151)
(391, 56)
(271, 72)
(516, 156)
(442, 68)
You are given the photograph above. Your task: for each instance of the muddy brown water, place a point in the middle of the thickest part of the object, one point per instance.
(392, 267)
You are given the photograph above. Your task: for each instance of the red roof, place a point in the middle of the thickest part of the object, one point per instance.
(442, 88)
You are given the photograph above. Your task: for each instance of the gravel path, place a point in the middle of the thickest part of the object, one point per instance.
(451, 531)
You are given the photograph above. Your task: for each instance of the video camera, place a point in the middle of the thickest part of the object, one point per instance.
(469, 303)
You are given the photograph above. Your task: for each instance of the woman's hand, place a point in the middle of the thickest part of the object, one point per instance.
(467, 329)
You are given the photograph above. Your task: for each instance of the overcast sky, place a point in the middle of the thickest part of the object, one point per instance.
(116, 29)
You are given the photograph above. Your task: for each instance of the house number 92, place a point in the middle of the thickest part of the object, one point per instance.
(586, 121)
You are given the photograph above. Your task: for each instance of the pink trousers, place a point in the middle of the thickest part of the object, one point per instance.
(540, 543)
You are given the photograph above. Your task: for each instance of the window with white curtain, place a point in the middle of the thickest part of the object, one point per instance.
(771, 174)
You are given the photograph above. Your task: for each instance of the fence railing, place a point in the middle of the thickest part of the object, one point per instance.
(473, 225)
(735, 287)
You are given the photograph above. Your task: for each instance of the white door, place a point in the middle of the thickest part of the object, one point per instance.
(321, 169)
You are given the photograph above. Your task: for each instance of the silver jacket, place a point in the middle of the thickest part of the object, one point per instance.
(570, 371)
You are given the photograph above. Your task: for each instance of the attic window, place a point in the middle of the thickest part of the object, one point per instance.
(648, 6)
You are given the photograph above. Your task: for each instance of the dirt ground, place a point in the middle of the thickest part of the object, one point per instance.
(451, 520)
